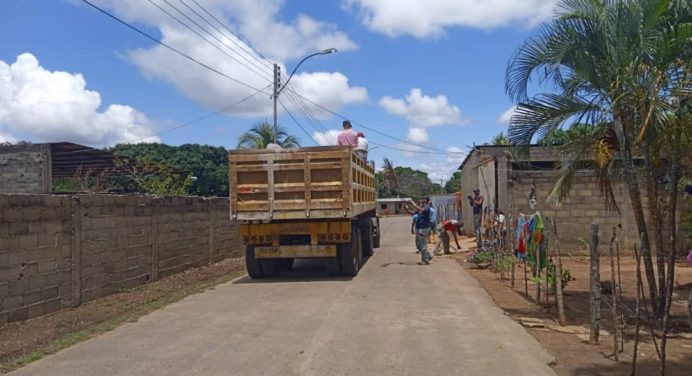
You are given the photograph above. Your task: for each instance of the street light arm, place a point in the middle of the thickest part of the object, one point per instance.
(325, 52)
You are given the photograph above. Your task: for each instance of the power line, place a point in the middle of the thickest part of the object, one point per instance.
(188, 123)
(296, 121)
(243, 53)
(252, 69)
(266, 60)
(170, 47)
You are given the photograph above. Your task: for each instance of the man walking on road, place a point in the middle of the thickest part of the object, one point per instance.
(477, 204)
(423, 229)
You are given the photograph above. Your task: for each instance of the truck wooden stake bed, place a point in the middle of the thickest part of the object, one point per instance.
(314, 202)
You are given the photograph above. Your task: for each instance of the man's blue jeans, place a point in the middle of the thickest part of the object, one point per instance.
(422, 243)
(477, 228)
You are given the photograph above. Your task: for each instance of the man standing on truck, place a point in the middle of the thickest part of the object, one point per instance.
(423, 229)
(362, 148)
(347, 137)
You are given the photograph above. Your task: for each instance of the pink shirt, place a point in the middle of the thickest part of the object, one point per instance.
(347, 137)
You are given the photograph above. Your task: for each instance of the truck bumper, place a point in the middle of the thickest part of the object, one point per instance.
(295, 251)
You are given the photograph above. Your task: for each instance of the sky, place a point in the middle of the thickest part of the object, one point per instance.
(423, 79)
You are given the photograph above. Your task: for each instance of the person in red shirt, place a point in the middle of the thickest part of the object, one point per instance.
(445, 228)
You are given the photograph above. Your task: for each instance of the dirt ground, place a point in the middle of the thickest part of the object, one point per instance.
(573, 355)
(27, 341)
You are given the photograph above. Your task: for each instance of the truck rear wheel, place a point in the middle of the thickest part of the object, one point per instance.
(378, 234)
(254, 270)
(367, 235)
(332, 266)
(349, 254)
(270, 268)
(285, 264)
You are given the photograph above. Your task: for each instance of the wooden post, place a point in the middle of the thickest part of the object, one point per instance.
(538, 275)
(615, 296)
(526, 279)
(542, 247)
(633, 371)
(595, 287)
(620, 313)
(558, 280)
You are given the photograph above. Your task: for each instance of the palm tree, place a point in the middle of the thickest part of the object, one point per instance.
(500, 139)
(614, 65)
(262, 134)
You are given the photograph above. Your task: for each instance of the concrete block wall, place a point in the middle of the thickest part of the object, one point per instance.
(583, 206)
(35, 255)
(25, 168)
(60, 251)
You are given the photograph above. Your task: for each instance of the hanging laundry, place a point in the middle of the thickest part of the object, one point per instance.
(529, 236)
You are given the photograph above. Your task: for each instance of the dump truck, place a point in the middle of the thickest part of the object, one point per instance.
(312, 202)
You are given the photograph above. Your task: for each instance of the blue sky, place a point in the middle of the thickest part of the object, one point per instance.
(428, 75)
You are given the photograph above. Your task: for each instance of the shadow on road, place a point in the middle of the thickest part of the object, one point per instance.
(303, 271)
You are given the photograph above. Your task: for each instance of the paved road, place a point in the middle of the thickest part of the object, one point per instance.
(395, 318)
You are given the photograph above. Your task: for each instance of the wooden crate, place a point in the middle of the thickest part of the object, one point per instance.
(313, 182)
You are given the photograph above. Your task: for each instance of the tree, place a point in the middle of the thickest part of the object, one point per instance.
(560, 136)
(500, 139)
(207, 164)
(261, 135)
(616, 66)
(454, 183)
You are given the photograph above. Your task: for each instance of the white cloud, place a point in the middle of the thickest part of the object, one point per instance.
(418, 135)
(437, 170)
(56, 106)
(6, 137)
(506, 116)
(326, 138)
(429, 18)
(422, 110)
(260, 23)
(456, 155)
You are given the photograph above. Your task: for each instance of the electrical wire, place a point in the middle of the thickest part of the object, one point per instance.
(247, 45)
(169, 14)
(204, 65)
(169, 47)
(297, 123)
(186, 124)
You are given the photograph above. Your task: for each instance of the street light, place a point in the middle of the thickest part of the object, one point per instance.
(278, 88)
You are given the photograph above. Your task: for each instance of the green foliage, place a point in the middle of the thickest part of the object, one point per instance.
(208, 164)
(261, 135)
(154, 178)
(503, 264)
(552, 282)
(573, 134)
(566, 277)
(482, 257)
(453, 185)
(500, 139)
(413, 183)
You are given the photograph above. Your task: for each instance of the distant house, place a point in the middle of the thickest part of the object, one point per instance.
(506, 179)
(31, 168)
(392, 206)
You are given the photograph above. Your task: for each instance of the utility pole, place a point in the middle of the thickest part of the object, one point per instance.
(277, 82)
(277, 85)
